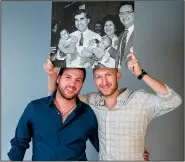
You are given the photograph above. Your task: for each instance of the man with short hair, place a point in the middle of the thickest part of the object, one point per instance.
(83, 33)
(58, 125)
(123, 116)
(126, 38)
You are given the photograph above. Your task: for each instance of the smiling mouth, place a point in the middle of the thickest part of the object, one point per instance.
(125, 19)
(70, 90)
(108, 30)
(105, 88)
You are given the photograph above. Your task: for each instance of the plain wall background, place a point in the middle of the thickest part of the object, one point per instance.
(159, 44)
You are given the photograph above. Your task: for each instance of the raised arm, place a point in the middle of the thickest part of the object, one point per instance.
(135, 68)
(165, 99)
(52, 73)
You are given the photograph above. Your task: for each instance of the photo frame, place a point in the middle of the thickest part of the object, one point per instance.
(90, 34)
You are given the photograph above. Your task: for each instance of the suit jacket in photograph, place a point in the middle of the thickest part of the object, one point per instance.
(126, 51)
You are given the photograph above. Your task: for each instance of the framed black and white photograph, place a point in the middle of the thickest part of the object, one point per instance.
(92, 34)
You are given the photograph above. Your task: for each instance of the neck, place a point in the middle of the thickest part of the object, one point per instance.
(110, 101)
(63, 104)
(112, 35)
(126, 27)
(84, 30)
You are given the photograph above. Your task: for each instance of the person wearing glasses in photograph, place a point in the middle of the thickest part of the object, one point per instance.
(126, 38)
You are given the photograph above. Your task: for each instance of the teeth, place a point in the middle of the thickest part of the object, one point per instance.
(105, 87)
(70, 89)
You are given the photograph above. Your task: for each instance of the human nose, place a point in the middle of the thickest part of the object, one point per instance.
(72, 82)
(104, 81)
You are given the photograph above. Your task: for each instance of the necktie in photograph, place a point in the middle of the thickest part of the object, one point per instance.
(81, 40)
(123, 44)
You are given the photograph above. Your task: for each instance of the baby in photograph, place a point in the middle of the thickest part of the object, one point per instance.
(67, 45)
(96, 51)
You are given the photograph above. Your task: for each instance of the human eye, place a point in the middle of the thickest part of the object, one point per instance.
(68, 77)
(79, 80)
(97, 77)
(109, 74)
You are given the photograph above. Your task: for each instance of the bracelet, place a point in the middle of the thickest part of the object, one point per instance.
(142, 74)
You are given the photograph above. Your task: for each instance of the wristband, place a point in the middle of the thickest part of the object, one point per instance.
(142, 74)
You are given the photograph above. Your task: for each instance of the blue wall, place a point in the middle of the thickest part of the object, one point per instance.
(159, 46)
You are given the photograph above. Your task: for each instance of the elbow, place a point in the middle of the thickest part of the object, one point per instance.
(179, 101)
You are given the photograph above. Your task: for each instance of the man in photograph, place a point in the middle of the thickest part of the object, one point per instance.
(126, 38)
(83, 33)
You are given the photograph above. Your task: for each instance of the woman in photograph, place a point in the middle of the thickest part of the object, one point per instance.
(109, 26)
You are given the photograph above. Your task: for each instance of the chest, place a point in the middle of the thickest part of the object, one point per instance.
(48, 126)
(127, 119)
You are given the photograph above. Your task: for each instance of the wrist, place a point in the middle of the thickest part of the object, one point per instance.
(142, 74)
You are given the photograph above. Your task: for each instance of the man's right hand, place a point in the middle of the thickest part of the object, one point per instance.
(49, 68)
(52, 73)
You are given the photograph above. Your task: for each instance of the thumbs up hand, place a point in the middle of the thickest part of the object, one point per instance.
(133, 64)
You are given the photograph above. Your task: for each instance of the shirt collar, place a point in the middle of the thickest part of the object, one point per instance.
(85, 32)
(121, 99)
(52, 97)
(131, 28)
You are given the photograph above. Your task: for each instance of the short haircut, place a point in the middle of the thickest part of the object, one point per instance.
(131, 3)
(82, 69)
(78, 12)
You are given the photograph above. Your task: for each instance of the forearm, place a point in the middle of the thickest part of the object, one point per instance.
(98, 53)
(20, 143)
(156, 85)
(16, 153)
(52, 85)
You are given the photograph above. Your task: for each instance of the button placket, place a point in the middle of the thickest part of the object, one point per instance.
(108, 114)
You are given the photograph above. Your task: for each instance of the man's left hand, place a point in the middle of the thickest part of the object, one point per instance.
(133, 64)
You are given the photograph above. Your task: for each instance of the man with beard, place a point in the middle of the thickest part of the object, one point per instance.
(123, 116)
(59, 125)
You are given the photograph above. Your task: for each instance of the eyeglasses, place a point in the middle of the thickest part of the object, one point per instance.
(126, 13)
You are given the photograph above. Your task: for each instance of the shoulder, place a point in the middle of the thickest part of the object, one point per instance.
(115, 38)
(95, 35)
(73, 37)
(88, 110)
(139, 96)
(43, 100)
(39, 103)
(75, 33)
(36, 105)
(93, 97)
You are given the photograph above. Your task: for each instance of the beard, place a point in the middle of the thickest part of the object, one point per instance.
(61, 91)
(113, 90)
